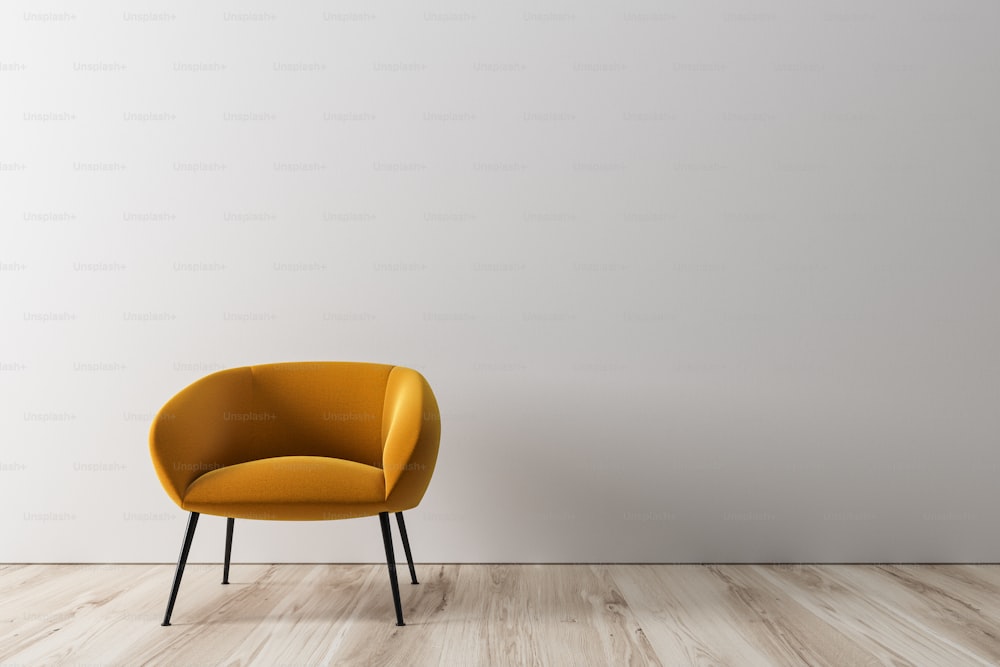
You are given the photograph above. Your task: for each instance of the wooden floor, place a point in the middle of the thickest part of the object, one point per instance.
(564, 615)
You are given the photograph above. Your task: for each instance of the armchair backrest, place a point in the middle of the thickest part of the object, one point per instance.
(317, 409)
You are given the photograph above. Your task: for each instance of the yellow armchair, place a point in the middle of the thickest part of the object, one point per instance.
(299, 441)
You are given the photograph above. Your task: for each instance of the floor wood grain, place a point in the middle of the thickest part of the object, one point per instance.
(503, 615)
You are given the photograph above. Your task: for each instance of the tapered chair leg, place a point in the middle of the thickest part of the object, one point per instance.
(181, 562)
(229, 548)
(406, 547)
(390, 559)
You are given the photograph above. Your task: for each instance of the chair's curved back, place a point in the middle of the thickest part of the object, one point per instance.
(318, 409)
(336, 409)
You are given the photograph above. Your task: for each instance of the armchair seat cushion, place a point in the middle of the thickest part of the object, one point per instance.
(280, 487)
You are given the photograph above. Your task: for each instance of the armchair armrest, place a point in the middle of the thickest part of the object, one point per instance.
(193, 432)
(411, 432)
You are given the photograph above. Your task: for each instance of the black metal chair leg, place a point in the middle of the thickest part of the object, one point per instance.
(390, 558)
(229, 548)
(406, 547)
(181, 562)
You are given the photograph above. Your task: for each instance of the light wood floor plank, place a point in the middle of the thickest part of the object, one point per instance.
(978, 585)
(536, 615)
(688, 614)
(503, 615)
(780, 627)
(863, 614)
(928, 621)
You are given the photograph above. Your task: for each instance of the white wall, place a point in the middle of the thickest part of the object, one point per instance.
(692, 281)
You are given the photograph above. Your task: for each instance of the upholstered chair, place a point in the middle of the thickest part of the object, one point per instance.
(302, 441)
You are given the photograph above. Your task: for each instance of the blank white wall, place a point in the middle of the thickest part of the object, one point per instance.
(692, 281)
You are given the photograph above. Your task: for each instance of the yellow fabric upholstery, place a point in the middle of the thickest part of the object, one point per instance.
(299, 441)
